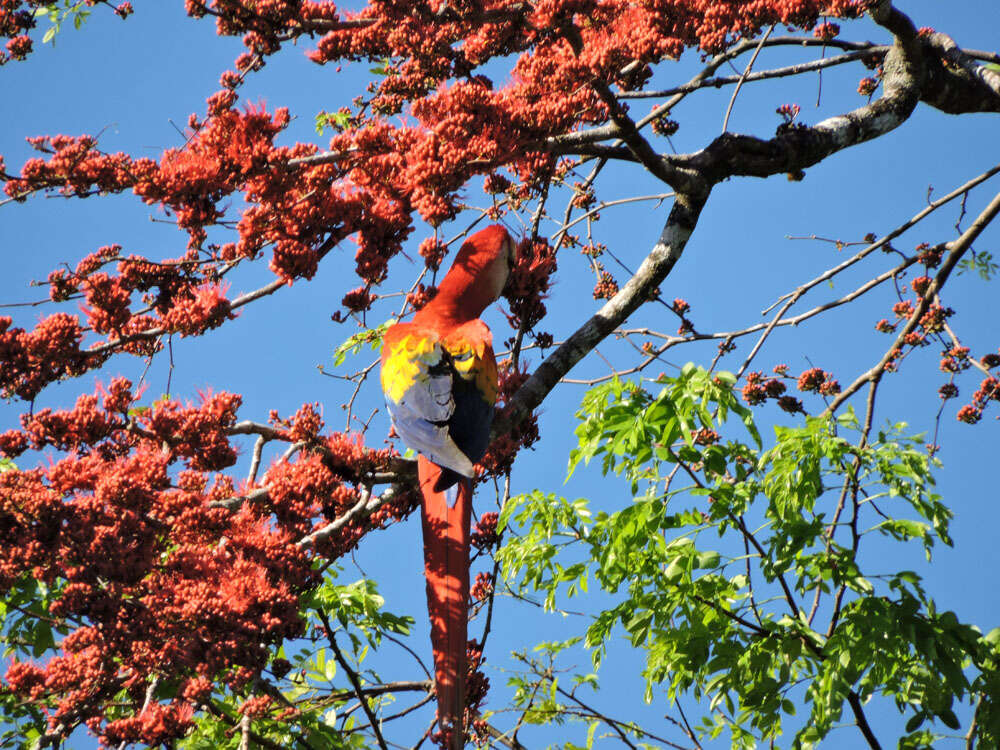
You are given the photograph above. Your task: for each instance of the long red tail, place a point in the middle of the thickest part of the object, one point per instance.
(446, 568)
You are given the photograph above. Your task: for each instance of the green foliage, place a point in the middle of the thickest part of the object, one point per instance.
(337, 121)
(310, 677)
(982, 263)
(75, 9)
(746, 587)
(27, 631)
(354, 344)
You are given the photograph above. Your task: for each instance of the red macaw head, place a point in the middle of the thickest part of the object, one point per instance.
(476, 278)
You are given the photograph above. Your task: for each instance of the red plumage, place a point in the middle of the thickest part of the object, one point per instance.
(440, 380)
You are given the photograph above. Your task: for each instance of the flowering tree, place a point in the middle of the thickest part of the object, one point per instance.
(157, 597)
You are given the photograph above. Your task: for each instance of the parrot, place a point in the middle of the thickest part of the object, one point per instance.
(439, 377)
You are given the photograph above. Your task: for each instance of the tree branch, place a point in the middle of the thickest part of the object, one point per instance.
(654, 269)
(957, 249)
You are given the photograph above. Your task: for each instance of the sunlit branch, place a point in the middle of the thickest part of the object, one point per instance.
(654, 268)
(763, 75)
(956, 250)
(672, 341)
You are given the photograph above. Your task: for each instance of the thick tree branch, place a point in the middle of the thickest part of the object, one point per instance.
(654, 269)
(796, 148)
(954, 83)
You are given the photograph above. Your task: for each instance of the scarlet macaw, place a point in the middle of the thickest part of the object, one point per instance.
(439, 377)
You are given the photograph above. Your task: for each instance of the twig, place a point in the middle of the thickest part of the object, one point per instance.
(859, 714)
(355, 680)
(746, 72)
(790, 70)
(338, 523)
(957, 249)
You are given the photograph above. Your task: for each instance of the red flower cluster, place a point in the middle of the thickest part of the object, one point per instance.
(867, 86)
(930, 256)
(421, 296)
(955, 359)
(826, 30)
(484, 536)
(817, 381)
(504, 448)
(17, 18)
(884, 326)
(29, 361)
(606, 286)
(705, 436)
(757, 390)
(432, 250)
(933, 320)
(529, 283)
(788, 112)
(150, 574)
(482, 588)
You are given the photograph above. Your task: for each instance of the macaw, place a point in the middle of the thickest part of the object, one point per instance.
(439, 376)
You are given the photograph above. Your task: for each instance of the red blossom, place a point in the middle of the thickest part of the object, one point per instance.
(504, 448)
(790, 404)
(811, 380)
(358, 300)
(664, 126)
(432, 251)
(884, 326)
(929, 256)
(484, 536)
(948, 390)
(705, 436)
(826, 30)
(529, 283)
(933, 320)
(867, 86)
(774, 387)
(170, 581)
(482, 588)
(788, 112)
(920, 284)
(421, 296)
(969, 414)
(903, 309)
(606, 286)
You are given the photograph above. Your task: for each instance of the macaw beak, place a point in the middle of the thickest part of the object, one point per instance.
(510, 259)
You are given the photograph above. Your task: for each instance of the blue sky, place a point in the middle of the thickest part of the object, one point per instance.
(134, 80)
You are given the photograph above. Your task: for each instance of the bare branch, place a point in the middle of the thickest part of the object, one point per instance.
(763, 75)
(956, 250)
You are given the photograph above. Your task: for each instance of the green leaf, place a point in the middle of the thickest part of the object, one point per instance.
(949, 719)
(915, 721)
(355, 343)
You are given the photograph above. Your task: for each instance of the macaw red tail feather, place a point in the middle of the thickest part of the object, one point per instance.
(446, 528)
